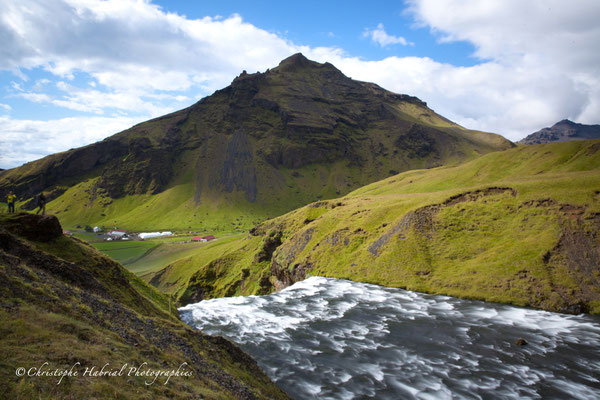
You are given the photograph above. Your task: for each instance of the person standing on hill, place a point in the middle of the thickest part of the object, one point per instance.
(10, 199)
(41, 200)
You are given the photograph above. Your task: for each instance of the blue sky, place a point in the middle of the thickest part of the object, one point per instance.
(76, 71)
(336, 24)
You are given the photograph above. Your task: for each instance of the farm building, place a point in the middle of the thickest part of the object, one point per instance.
(117, 233)
(202, 238)
(148, 235)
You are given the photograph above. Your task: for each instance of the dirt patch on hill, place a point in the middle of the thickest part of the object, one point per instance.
(578, 254)
(422, 219)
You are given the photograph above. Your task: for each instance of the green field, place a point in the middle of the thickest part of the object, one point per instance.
(144, 258)
(125, 252)
(162, 255)
(175, 276)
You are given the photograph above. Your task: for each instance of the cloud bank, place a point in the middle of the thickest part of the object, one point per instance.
(114, 63)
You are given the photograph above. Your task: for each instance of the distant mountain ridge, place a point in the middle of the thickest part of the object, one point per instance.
(266, 144)
(563, 131)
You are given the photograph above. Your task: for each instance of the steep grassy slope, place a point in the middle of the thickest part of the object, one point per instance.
(65, 304)
(520, 226)
(174, 277)
(266, 144)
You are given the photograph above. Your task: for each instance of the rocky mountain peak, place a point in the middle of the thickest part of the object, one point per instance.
(269, 142)
(297, 60)
(563, 131)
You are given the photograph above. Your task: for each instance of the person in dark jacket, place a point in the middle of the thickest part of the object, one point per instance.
(41, 201)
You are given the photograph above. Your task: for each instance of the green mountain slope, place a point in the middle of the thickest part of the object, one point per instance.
(520, 226)
(65, 304)
(266, 144)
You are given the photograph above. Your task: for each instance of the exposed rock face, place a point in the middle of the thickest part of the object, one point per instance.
(242, 137)
(563, 131)
(39, 228)
(238, 172)
(270, 244)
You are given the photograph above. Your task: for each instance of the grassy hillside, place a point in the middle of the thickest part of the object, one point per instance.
(174, 277)
(520, 226)
(65, 304)
(267, 144)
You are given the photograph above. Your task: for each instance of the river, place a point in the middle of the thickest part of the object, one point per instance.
(334, 339)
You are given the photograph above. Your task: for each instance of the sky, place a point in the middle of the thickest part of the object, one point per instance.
(73, 72)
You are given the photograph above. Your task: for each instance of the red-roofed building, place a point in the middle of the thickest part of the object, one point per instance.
(202, 238)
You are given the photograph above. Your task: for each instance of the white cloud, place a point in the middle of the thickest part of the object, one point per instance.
(96, 102)
(541, 62)
(132, 44)
(35, 97)
(40, 84)
(5, 107)
(16, 86)
(25, 140)
(380, 36)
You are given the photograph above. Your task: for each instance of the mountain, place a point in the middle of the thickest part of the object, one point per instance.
(266, 144)
(563, 131)
(520, 226)
(67, 305)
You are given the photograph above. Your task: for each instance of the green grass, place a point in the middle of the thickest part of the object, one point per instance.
(174, 277)
(125, 252)
(162, 255)
(87, 237)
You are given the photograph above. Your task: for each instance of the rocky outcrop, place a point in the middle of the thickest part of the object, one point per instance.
(283, 268)
(238, 172)
(39, 228)
(270, 244)
(563, 131)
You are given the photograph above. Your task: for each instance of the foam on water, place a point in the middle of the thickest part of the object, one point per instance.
(333, 339)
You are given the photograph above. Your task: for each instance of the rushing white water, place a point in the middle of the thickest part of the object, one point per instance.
(334, 339)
